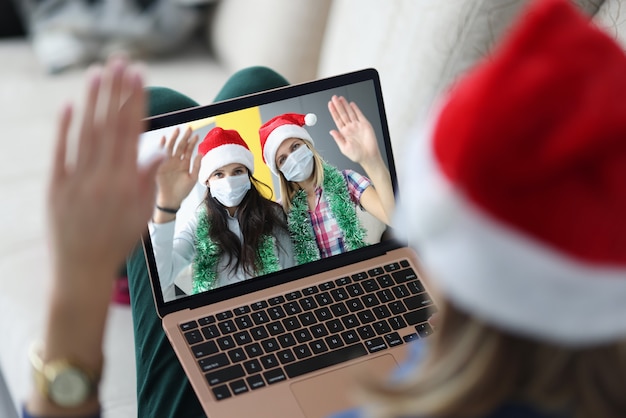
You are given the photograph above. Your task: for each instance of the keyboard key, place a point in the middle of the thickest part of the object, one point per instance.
(213, 362)
(260, 317)
(366, 332)
(355, 289)
(244, 322)
(253, 350)
(323, 314)
(255, 381)
(343, 281)
(310, 290)
(286, 340)
(224, 315)
(410, 337)
(393, 339)
(381, 327)
(276, 312)
(415, 317)
(355, 305)
(242, 338)
(303, 335)
(291, 324)
(334, 341)
(376, 271)
(325, 360)
(227, 326)
(210, 331)
(323, 299)
(350, 337)
(385, 281)
(391, 267)
(370, 285)
(257, 306)
(275, 328)
(204, 349)
(238, 387)
(292, 308)
(350, 321)
(274, 376)
(404, 275)
(400, 291)
(418, 301)
(415, 287)
(270, 345)
(293, 295)
(359, 276)
(385, 296)
(302, 351)
(396, 323)
(404, 263)
(259, 333)
(308, 303)
(286, 356)
(424, 330)
(237, 355)
(221, 392)
(381, 312)
(339, 309)
(366, 316)
(206, 320)
(339, 294)
(252, 366)
(307, 318)
(241, 310)
(327, 286)
(335, 326)
(375, 344)
(319, 331)
(276, 300)
(193, 337)
(397, 307)
(370, 300)
(188, 326)
(269, 362)
(226, 343)
(318, 347)
(225, 375)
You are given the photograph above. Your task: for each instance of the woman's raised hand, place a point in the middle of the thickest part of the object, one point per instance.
(354, 135)
(178, 174)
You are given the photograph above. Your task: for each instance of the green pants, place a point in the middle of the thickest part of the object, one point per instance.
(163, 389)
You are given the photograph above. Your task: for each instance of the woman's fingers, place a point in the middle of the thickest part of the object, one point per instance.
(60, 150)
(86, 152)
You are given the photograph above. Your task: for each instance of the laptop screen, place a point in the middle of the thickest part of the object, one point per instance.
(174, 276)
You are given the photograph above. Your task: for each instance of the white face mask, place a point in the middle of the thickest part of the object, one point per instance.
(231, 190)
(299, 164)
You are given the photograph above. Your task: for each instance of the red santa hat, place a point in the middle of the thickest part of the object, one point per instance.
(281, 127)
(518, 193)
(221, 147)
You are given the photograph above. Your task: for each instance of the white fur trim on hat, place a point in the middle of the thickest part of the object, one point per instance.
(277, 137)
(508, 279)
(224, 155)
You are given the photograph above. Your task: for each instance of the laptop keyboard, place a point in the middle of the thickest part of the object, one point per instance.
(305, 330)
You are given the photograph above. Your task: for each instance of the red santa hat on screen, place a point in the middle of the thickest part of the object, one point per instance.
(281, 127)
(221, 147)
(518, 192)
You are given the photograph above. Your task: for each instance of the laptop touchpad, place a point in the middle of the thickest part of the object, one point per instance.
(332, 392)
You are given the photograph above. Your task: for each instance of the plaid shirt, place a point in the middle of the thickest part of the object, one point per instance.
(327, 233)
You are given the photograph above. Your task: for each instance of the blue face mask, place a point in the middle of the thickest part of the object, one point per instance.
(299, 164)
(231, 190)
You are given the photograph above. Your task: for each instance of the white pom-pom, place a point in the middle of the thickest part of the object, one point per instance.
(310, 119)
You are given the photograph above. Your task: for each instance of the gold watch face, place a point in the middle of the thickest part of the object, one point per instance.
(69, 387)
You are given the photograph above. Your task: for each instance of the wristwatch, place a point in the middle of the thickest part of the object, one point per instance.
(63, 381)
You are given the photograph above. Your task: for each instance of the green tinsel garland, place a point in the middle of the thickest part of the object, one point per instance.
(208, 253)
(342, 208)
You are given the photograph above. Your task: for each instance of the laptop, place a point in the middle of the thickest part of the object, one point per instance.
(293, 343)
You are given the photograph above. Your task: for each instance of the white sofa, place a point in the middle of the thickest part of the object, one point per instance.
(418, 46)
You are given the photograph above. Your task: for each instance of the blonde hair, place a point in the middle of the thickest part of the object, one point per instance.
(471, 368)
(288, 188)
